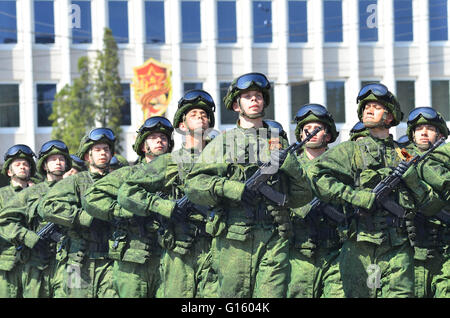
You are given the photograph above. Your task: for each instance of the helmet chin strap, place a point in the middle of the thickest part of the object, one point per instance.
(244, 114)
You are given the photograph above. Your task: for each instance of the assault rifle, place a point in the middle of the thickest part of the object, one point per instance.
(330, 211)
(49, 231)
(257, 182)
(186, 208)
(388, 184)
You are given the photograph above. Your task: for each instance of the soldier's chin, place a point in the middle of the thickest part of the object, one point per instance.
(102, 165)
(314, 145)
(23, 177)
(58, 172)
(423, 146)
(159, 152)
(371, 124)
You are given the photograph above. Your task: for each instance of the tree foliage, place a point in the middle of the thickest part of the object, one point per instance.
(93, 100)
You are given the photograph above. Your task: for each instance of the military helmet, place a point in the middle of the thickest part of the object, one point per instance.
(77, 163)
(358, 130)
(53, 147)
(151, 125)
(196, 98)
(426, 116)
(272, 124)
(403, 141)
(19, 151)
(247, 82)
(96, 136)
(315, 112)
(118, 161)
(376, 92)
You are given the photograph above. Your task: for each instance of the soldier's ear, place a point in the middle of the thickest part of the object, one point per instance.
(389, 118)
(86, 156)
(236, 107)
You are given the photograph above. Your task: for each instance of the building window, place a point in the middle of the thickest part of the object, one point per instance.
(332, 20)
(368, 28)
(440, 97)
(191, 25)
(336, 100)
(9, 105)
(299, 96)
(403, 20)
(262, 21)
(45, 97)
(126, 108)
(226, 20)
(118, 20)
(438, 20)
(405, 96)
(298, 21)
(81, 22)
(8, 22)
(44, 22)
(193, 85)
(154, 22)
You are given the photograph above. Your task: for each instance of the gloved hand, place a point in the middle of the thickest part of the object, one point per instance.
(401, 168)
(249, 196)
(42, 249)
(180, 211)
(410, 227)
(184, 235)
(282, 220)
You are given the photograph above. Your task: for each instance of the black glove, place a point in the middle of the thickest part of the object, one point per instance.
(401, 168)
(249, 196)
(180, 211)
(42, 249)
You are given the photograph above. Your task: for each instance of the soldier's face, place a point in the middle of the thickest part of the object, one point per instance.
(19, 168)
(252, 102)
(321, 136)
(423, 134)
(99, 154)
(156, 143)
(195, 119)
(56, 164)
(374, 113)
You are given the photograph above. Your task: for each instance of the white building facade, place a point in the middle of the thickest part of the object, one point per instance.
(313, 51)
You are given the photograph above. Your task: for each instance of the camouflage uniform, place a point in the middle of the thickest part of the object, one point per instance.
(346, 174)
(248, 254)
(10, 266)
(133, 242)
(84, 269)
(19, 222)
(315, 246)
(436, 172)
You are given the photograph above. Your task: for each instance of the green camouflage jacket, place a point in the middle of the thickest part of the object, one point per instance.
(62, 205)
(8, 253)
(133, 239)
(346, 175)
(218, 177)
(19, 220)
(313, 231)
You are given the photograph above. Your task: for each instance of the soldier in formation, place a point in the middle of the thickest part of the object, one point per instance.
(234, 214)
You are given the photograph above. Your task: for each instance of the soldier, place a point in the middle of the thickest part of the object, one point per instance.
(376, 260)
(19, 222)
(316, 241)
(19, 166)
(432, 235)
(133, 243)
(358, 131)
(248, 253)
(84, 270)
(184, 267)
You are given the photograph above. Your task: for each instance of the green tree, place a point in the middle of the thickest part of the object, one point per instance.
(93, 100)
(107, 90)
(73, 109)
